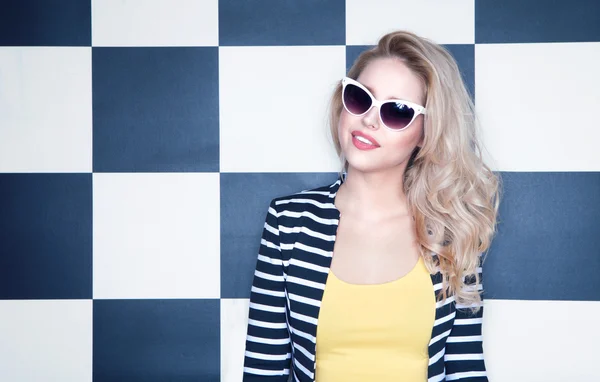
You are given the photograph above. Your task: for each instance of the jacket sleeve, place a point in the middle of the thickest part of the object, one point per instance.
(464, 348)
(268, 350)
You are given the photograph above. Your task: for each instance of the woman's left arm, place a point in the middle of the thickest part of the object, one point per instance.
(464, 348)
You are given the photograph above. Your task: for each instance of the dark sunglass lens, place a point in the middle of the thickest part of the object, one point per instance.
(357, 100)
(396, 115)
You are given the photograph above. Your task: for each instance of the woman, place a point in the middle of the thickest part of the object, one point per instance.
(386, 261)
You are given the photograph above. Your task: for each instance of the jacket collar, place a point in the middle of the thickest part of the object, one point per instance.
(333, 189)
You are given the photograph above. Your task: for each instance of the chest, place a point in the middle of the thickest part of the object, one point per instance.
(374, 252)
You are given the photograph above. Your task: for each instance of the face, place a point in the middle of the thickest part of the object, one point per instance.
(386, 79)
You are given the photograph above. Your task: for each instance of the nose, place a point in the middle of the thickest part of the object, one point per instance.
(371, 118)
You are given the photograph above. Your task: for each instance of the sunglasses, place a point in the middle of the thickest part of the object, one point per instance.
(395, 114)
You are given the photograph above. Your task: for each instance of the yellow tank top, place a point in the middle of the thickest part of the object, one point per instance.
(378, 332)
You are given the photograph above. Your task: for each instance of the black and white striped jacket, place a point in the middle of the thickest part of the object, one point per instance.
(291, 271)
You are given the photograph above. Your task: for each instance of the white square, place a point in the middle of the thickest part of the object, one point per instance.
(46, 340)
(45, 109)
(445, 22)
(273, 107)
(549, 341)
(155, 23)
(537, 105)
(234, 327)
(156, 235)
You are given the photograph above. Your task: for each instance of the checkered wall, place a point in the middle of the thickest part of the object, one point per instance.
(141, 141)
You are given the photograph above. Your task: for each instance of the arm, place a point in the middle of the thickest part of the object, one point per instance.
(268, 349)
(464, 348)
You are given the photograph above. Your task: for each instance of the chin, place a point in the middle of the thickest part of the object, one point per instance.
(372, 164)
(365, 164)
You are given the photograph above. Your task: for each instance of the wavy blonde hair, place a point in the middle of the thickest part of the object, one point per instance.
(451, 192)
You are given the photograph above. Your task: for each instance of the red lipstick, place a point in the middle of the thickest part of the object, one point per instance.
(365, 142)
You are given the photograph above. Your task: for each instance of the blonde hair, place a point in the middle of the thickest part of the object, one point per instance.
(451, 192)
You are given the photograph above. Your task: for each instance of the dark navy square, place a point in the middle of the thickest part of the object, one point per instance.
(275, 22)
(352, 53)
(518, 21)
(464, 54)
(245, 199)
(156, 340)
(45, 236)
(45, 23)
(155, 109)
(547, 242)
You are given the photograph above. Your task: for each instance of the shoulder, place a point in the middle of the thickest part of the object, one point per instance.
(318, 196)
(312, 202)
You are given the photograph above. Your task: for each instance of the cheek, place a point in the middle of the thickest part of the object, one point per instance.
(342, 127)
(405, 142)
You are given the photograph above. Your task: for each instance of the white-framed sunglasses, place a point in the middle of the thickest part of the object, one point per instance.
(395, 114)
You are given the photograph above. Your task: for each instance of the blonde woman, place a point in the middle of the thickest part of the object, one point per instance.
(377, 277)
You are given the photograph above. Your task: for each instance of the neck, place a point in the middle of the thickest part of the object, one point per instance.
(373, 194)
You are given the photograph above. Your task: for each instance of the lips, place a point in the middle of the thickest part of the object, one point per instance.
(369, 138)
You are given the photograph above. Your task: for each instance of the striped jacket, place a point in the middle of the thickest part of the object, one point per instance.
(288, 284)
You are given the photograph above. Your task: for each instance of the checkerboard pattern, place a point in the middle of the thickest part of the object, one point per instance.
(141, 142)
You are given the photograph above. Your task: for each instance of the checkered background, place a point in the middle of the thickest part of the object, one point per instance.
(141, 142)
